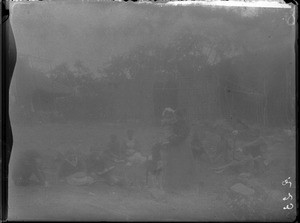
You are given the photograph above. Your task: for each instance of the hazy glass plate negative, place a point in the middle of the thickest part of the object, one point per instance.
(152, 111)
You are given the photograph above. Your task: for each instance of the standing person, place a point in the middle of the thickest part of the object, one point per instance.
(177, 157)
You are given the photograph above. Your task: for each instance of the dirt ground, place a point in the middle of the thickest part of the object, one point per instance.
(207, 201)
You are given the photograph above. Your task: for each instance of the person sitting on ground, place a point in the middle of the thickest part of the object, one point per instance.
(99, 166)
(95, 162)
(241, 163)
(257, 149)
(224, 149)
(179, 129)
(134, 160)
(113, 149)
(28, 165)
(132, 150)
(131, 144)
(154, 162)
(73, 170)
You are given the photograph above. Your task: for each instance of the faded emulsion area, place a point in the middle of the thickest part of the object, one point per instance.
(124, 111)
(8, 61)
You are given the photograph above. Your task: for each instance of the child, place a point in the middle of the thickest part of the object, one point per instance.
(29, 164)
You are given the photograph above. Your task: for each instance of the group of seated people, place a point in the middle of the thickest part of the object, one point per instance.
(229, 158)
(99, 163)
(77, 170)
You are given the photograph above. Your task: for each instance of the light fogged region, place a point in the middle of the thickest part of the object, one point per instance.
(152, 112)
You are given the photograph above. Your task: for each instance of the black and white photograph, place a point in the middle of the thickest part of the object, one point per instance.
(151, 111)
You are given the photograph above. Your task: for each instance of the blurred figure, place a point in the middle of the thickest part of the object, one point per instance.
(241, 163)
(168, 119)
(131, 143)
(168, 116)
(179, 129)
(154, 164)
(94, 163)
(73, 171)
(257, 150)
(171, 92)
(99, 165)
(113, 148)
(176, 156)
(28, 165)
(224, 149)
(135, 171)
